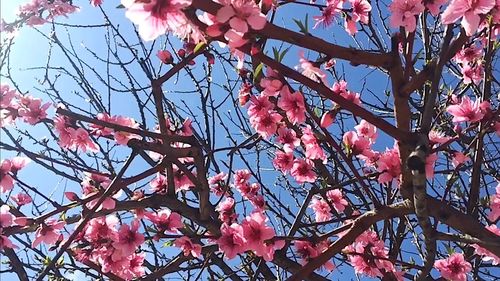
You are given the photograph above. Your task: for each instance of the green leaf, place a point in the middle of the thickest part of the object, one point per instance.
(258, 71)
(169, 243)
(198, 47)
(276, 53)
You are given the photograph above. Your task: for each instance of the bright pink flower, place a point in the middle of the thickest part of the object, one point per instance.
(156, 17)
(333, 7)
(259, 105)
(433, 6)
(49, 232)
(367, 130)
(429, 165)
(232, 240)
(438, 137)
(495, 205)
(241, 177)
(350, 26)
(256, 232)
(271, 87)
(80, 139)
(283, 161)
(403, 13)
(337, 199)
(487, 255)
(356, 144)
(188, 247)
(455, 267)
(217, 183)
(309, 70)
(340, 88)
(21, 199)
(328, 118)
(321, 209)
(389, 165)
(96, 3)
(313, 149)
(32, 111)
(241, 14)
(134, 268)
(293, 105)
(165, 56)
(248, 191)
(469, 55)
(102, 228)
(360, 10)
(226, 211)
(288, 138)
(305, 250)
(165, 220)
(302, 171)
(466, 111)
(459, 158)
(129, 239)
(469, 11)
(266, 123)
(472, 74)
(6, 180)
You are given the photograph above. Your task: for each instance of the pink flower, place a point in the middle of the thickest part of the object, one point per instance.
(241, 14)
(165, 56)
(389, 165)
(49, 232)
(356, 144)
(328, 118)
(487, 255)
(156, 17)
(259, 105)
(309, 70)
(350, 26)
(80, 139)
(271, 87)
(123, 137)
(102, 228)
(466, 111)
(293, 105)
(429, 165)
(360, 10)
(321, 209)
(305, 250)
(469, 11)
(337, 199)
(21, 199)
(469, 55)
(188, 247)
(495, 205)
(232, 240)
(313, 149)
(6, 180)
(472, 74)
(226, 211)
(165, 220)
(283, 161)
(438, 137)
(96, 3)
(455, 267)
(367, 130)
(403, 13)
(134, 268)
(459, 158)
(32, 111)
(333, 7)
(217, 183)
(6, 220)
(128, 240)
(288, 138)
(302, 171)
(266, 123)
(256, 232)
(7, 96)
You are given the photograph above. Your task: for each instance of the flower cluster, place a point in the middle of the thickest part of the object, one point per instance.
(13, 105)
(38, 12)
(9, 167)
(321, 207)
(455, 267)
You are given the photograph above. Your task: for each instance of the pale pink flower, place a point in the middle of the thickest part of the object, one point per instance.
(256, 232)
(459, 158)
(309, 70)
(165, 220)
(49, 232)
(271, 87)
(455, 267)
(232, 240)
(321, 209)
(99, 130)
(333, 7)
(293, 105)
(188, 247)
(226, 211)
(129, 239)
(7, 96)
(165, 56)
(156, 17)
(466, 111)
(6, 220)
(21, 199)
(32, 111)
(367, 130)
(302, 171)
(6, 180)
(134, 268)
(337, 199)
(80, 139)
(123, 137)
(403, 13)
(283, 161)
(360, 10)
(469, 11)
(241, 14)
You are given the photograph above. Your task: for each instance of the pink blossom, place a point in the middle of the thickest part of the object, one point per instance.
(429, 165)
(49, 232)
(123, 137)
(165, 220)
(337, 199)
(21, 199)
(293, 105)
(367, 130)
(403, 13)
(188, 247)
(495, 205)
(248, 191)
(321, 209)
(288, 138)
(333, 7)
(302, 171)
(389, 165)
(156, 17)
(356, 144)
(310, 71)
(469, 11)
(271, 87)
(487, 255)
(305, 250)
(134, 268)
(340, 88)
(232, 240)
(96, 3)
(259, 105)
(455, 267)
(217, 183)
(466, 111)
(283, 161)
(241, 14)
(312, 147)
(469, 55)
(438, 137)
(350, 26)
(6, 180)
(100, 130)
(241, 177)
(7, 96)
(226, 211)
(328, 118)
(165, 56)
(459, 158)
(80, 139)
(129, 239)
(101, 228)
(256, 232)
(6, 220)
(32, 111)
(266, 123)
(360, 10)
(472, 74)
